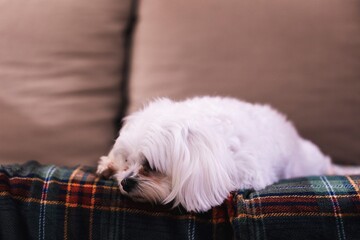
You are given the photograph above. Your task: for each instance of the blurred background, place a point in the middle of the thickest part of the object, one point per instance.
(71, 69)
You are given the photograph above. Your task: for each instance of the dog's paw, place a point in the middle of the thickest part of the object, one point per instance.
(105, 168)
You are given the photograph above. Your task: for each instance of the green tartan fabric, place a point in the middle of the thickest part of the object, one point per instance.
(49, 202)
(324, 207)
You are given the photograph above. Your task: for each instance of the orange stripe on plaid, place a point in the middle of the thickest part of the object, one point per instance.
(112, 209)
(297, 196)
(68, 193)
(85, 185)
(3, 194)
(299, 214)
(92, 206)
(263, 198)
(355, 186)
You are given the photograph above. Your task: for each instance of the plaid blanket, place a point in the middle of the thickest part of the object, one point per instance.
(49, 202)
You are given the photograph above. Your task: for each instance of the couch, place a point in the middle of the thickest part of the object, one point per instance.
(51, 202)
(71, 70)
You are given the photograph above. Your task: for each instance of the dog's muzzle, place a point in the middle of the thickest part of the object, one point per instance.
(128, 184)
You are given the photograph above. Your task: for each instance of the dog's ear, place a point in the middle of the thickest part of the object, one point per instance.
(202, 173)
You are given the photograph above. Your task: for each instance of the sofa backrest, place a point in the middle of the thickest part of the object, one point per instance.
(61, 66)
(302, 57)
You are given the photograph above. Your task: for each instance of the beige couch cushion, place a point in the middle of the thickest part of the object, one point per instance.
(303, 57)
(60, 65)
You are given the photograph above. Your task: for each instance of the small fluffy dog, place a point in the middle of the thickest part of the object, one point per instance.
(197, 151)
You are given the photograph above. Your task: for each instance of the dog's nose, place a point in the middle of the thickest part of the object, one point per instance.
(128, 184)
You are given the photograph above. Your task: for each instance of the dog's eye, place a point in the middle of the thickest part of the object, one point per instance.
(146, 166)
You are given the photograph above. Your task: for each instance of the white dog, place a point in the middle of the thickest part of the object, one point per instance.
(197, 151)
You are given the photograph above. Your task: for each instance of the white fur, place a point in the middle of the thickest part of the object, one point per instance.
(203, 148)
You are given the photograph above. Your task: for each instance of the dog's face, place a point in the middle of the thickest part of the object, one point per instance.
(136, 177)
(161, 156)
